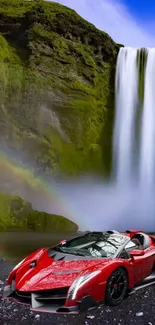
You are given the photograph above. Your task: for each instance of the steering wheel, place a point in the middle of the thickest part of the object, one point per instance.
(97, 248)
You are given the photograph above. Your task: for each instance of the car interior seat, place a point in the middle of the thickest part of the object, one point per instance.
(143, 240)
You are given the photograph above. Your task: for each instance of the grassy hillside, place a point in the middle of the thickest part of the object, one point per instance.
(56, 87)
(17, 214)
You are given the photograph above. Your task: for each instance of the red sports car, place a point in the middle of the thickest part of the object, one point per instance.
(77, 274)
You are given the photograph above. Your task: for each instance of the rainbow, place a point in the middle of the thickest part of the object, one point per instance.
(13, 171)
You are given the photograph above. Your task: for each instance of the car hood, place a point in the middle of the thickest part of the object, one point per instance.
(54, 274)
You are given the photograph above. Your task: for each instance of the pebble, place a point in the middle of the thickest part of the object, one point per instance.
(90, 317)
(139, 314)
(2, 259)
(37, 316)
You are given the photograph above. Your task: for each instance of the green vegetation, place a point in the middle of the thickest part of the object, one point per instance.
(17, 214)
(56, 87)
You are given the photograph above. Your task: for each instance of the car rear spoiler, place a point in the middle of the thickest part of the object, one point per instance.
(133, 232)
(153, 238)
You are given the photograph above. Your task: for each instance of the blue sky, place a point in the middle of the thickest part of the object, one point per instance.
(141, 9)
(130, 22)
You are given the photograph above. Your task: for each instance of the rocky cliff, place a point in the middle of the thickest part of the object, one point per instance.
(56, 87)
(17, 214)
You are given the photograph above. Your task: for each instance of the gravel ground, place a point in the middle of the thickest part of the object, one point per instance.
(136, 309)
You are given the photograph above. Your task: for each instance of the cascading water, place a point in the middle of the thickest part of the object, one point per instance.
(128, 78)
(147, 154)
(126, 102)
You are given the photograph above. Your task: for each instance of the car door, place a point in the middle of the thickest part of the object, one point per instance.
(141, 265)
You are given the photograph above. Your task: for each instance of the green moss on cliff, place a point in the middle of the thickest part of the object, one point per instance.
(55, 83)
(17, 214)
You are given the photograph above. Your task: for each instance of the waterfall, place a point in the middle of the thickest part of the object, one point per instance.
(133, 147)
(127, 200)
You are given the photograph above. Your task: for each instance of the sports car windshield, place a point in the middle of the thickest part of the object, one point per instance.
(93, 244)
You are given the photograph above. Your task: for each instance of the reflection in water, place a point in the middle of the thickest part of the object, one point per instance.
(15, 246)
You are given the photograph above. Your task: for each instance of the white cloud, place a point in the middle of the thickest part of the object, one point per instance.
(114, 18)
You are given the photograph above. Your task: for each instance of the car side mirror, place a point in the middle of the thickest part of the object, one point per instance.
(136, 252)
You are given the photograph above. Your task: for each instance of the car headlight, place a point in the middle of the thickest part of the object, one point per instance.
(79, 282)
(18, 264)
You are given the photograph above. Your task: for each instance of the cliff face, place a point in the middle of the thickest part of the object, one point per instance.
(56, 87)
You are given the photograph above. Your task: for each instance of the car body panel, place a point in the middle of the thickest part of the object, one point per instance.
(143, 264)
(52, 274)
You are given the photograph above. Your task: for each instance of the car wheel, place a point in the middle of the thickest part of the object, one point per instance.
(117, 286)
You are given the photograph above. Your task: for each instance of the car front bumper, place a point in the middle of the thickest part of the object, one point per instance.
(35, 303)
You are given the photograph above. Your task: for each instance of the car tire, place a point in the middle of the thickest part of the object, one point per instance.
(116, 288)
